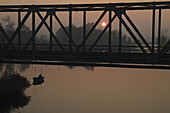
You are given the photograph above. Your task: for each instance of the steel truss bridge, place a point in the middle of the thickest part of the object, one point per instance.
(147, 55)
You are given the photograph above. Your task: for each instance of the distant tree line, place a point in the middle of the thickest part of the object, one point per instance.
(77, 36)
(26, 32)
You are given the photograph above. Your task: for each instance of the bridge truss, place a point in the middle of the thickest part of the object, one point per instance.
(148, 54)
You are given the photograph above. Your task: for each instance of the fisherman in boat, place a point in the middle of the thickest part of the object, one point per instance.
(40, 76)
(38, 80)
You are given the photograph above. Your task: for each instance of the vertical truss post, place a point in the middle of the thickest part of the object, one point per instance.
(70, 29)
(5, 36)
(130, 31)
(159, 29)
(84, 30)
(33, 30)
(16, 31)
(36, 31)
(51, 27)
(3, 41)
(92, 29)
(138, 32)
(48, 28)
(110, 30)
(62, 26)
(120, 34)
(153, 31)
(19, 32)
(107, 26)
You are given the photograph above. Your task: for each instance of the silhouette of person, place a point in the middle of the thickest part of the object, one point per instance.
(40, 76)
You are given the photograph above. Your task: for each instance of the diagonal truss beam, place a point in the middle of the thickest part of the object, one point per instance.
(60, 23)
(35, 32)
(43, 21)
(138, 32)
(131, 33)
(165, 48)
(92, 29)
(55, 38)
(6, 36)
(62, 26)
(18, 29)
(102, 33)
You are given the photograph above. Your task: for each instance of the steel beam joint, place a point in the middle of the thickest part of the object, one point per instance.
(51, 12)
(119, 12)
(33, 8)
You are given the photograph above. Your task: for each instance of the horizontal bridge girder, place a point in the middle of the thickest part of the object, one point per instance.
(92, 57)
(87, 7)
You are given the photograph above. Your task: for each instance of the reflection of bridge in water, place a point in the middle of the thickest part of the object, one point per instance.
(86, 54)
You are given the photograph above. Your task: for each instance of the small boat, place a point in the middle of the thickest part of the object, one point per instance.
(38, 80)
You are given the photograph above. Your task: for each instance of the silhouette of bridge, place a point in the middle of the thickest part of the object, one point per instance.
(140, 55)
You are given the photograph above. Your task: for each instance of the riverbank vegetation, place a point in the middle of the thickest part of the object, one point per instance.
(12, 87)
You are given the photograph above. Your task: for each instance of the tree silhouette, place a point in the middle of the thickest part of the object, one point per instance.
(8, 25)
(164, 37)
(78, 36)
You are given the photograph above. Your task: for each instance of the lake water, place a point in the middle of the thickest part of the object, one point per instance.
(103, 90)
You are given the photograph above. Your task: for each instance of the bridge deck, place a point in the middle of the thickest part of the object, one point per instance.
(91, 57)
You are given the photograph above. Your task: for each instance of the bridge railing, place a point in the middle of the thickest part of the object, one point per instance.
(97, 48)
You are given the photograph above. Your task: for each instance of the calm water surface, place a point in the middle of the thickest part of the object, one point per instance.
(103, 90)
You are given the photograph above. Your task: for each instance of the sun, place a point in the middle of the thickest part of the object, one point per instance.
(104, 24)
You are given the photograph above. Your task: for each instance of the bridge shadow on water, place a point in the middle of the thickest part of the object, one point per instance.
(12, 96)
